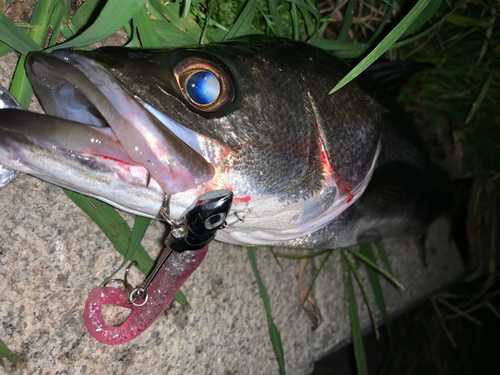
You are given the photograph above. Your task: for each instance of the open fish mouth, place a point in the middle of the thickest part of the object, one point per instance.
(76, 88)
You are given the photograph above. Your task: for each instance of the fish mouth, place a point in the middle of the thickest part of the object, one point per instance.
(74, 87)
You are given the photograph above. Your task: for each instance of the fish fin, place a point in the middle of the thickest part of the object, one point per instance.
(392, 186)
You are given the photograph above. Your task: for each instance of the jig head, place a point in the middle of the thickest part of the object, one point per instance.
(186, 246)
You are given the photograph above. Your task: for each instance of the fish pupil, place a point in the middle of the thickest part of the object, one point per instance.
(202, 87)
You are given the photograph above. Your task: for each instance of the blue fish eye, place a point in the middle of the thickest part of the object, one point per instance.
(202, 87)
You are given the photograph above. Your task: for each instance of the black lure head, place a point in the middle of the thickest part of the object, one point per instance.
(199, 224)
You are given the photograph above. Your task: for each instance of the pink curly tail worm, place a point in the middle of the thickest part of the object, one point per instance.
(165, 285)
(187, 245)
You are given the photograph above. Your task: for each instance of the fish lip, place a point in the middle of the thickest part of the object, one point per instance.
(175, 158)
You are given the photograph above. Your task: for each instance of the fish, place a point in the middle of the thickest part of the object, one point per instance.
(7, 101)
(141, 129)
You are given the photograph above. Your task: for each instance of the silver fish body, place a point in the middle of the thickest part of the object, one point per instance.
(7, 101)
(297, 159)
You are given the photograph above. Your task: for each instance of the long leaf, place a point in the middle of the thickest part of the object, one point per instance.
(357, 337)
(80, 19)
(14, 37)
(276, 17)
(6, 353)
(346, 25)
(426, 14)
(113, 226)
(384, 45)
(141, 224)
(273, 331)
(383, 272)
(243, 22)
(481, 96)
(112, 17)
(367, 251)
(172, 12)
(40, 20)
(363, 292)
(383, 255)
(312, 10)
(147, 33)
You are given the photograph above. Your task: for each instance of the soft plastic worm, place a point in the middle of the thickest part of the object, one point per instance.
(165, 285)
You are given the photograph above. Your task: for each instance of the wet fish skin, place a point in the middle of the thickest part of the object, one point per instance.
(296, 158)
(7, 101)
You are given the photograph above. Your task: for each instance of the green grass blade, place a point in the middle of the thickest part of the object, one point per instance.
(181, 298)
(131, 31)
(481, 96)
(60, 14)
(345, 277)
(20, 87)
(352, 266)
(367, 251)
(295, 21)
(310, 24)
(81, 17)
(147, 33)
(273, 331)
(141, 225)
(243, 22)
(383, 272)
(384, 45)
(313, 280)
(276, 17)
(187, 6)
(171, 12)
(346, 25)
(275, 257)
(334, 45)
(5, 49)
(170, 35)
(303, 256)
(7, 354)
(207, 20)
(383, 255)
(312, 10)
(15, 38)
(426, 15)
(113, 16)
(357, 337)
(113, 226)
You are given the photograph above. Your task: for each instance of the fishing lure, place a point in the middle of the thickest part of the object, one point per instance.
(186, 246)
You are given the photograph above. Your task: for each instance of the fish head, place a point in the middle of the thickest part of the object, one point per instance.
(252, 116)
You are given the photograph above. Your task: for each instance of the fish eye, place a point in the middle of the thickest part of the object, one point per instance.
(202, 87)
(205, 84)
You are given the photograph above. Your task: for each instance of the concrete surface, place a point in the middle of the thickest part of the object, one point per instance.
(52, 255)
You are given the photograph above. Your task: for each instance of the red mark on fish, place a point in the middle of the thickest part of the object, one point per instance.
(331, 171)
